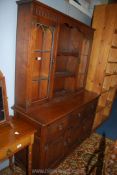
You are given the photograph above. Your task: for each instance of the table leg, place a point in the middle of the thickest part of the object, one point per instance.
(11, 164)
(30, 159)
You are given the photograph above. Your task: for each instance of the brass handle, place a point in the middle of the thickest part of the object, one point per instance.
(79, 115)
(69, 140)
(65, 143)
(60, 127)
(9, 153)
(46, 147)
(92, 106)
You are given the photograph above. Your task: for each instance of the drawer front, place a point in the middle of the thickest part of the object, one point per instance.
(79, 130)
(76, 118)
(56, 129)
(87, 126)
(80, 123)
(90, 108)
(15, 147)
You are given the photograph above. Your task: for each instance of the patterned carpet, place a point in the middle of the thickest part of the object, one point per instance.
(90, 158)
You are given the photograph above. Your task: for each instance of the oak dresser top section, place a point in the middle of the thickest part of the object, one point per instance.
(59, 107)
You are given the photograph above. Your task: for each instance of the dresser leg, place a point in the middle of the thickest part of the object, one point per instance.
(11, 164)
(30, 159)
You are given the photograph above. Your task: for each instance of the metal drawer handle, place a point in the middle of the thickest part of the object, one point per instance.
(60, 127)
(69, 140)
(9, 153)
(65, 143)
(92, 106)
(79, 115)
(46, 147)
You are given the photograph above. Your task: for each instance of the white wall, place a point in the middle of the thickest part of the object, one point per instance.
(8, 18)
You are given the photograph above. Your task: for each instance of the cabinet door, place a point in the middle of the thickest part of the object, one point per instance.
(36, 153)
(41, 57)
(74, 135)
(54, 152)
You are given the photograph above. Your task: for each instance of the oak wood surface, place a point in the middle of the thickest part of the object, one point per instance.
(14, 137)
(59, 107)
(52, 60)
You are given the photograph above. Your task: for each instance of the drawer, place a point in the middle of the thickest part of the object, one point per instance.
(76, 118)
(80, 130)
(57, 129)
(87, 126)
(90, 109)
(15, 147)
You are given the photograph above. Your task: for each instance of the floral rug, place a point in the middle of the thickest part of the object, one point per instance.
(17, 171)
(90, 158)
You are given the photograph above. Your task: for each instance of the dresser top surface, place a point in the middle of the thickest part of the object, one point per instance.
(59, 107)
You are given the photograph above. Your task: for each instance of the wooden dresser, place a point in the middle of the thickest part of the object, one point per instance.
(52, 57)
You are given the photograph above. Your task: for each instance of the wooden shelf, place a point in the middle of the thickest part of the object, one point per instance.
(115, 31)
(42, 51)
(106, 90)
(112, 61)
(61, 92)
(100, 108)
(109, 74)
(64, 74)
(40, 78)
(68, 54)
(108, 102)
(114, 47)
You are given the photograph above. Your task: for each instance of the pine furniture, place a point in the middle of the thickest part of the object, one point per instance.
(102, 72)
(14, 137)
(52, 56)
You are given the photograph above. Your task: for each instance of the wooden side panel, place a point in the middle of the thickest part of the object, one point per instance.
(97, 120)
(22, 45)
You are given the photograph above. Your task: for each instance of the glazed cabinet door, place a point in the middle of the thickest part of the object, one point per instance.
(41, 60)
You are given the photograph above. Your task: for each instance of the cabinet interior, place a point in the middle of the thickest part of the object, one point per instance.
(71, 60)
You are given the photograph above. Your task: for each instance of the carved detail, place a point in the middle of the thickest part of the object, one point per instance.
(44, 13)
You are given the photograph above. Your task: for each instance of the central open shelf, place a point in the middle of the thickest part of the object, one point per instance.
(64, 74)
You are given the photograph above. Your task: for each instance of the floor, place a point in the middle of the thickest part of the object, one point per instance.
(109, 127)
(91, 157)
